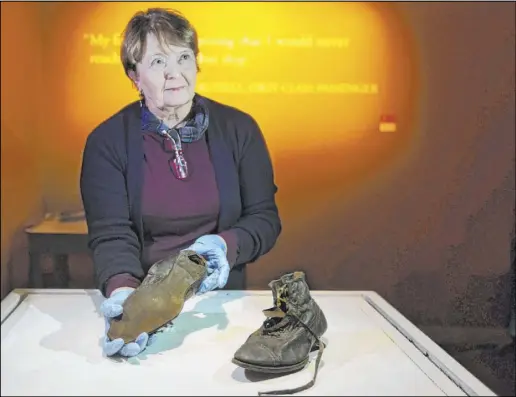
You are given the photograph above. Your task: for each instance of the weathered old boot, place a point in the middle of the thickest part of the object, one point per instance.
(160, 297)
(292, 330)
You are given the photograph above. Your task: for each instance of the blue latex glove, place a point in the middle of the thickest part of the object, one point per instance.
(213, 248)
(112, 307)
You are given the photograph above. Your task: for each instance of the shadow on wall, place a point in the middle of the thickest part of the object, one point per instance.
(485, 302)
(482, 299)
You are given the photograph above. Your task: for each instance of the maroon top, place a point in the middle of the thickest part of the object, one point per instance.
(175, 213)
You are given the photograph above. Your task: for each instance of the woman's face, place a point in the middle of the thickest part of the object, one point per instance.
(167, 76)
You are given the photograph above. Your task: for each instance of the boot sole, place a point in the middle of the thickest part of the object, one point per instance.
(271, 370)
(152, 305)
(277, 369)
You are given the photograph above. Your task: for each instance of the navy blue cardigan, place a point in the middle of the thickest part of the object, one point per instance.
(112, 177)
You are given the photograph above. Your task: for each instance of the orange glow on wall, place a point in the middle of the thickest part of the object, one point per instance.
(306, 71)
(316, 76)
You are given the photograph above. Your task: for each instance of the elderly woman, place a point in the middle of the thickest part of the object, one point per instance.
(172, 171)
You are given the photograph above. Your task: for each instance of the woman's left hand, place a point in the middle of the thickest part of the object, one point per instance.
(213, 248)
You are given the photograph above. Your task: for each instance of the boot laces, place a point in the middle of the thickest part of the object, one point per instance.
(278, 321)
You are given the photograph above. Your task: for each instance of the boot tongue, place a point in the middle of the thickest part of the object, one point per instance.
(276, 319)
(276, 315)
(274, 312)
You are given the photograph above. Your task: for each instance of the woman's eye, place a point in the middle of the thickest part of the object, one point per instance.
(157, 62)
(185, 57)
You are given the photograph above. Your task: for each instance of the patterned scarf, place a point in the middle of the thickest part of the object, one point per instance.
(195, 127)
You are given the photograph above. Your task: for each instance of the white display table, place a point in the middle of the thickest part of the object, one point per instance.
(51, 345)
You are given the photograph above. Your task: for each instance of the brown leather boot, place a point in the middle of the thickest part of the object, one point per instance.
(292, 330)
(160, 297)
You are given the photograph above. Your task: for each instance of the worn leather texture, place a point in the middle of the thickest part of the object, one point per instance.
(282, 341)
(161, 296)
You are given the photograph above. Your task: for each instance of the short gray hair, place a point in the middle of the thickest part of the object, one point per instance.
(170, 28)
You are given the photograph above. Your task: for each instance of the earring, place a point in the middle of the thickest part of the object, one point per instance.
(142, 98)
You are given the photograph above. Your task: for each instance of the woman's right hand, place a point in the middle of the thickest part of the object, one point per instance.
(110, 308)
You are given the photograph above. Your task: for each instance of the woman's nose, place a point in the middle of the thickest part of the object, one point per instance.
(172, 72)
